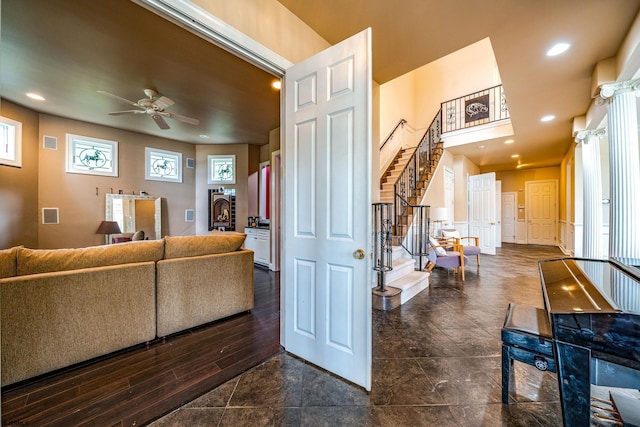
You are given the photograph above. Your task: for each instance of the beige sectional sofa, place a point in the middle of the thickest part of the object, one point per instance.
(65, 306)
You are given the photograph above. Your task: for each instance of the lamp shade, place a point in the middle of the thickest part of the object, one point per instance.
(108, 227)
(439, 214)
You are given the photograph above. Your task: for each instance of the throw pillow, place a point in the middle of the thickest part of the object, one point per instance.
(439, 249)
(447, 234)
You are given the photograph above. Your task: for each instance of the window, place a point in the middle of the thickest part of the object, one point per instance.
(161, 165)
(10, 142)
(222, 169)
(92, 156)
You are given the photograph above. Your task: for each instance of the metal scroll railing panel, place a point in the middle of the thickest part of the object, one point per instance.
(475, 109)
(409, 187)
(416, 234)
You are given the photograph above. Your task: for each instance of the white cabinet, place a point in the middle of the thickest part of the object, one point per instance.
(258, 241)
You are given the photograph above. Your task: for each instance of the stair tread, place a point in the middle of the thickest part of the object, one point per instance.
(409, 280)
(398, 263)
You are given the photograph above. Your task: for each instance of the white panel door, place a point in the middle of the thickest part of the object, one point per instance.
(482, 210)
(449, 199)
(541, 212)
(498, 215)
(509, 217)
(327, 223)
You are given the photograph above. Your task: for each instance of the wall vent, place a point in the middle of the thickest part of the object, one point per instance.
(50, 215)
(189, 215)
(190, 163)
(50, 142)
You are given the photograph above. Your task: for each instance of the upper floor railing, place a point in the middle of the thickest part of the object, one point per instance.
(475, 109)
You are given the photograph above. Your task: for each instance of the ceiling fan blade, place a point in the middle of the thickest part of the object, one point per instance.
(102, 92)
(119, 113)
(163, 102)
(160, 121)
(182, 118)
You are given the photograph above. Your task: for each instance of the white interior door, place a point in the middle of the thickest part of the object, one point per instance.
(449, 200)
(276, 199)
(498, 216)
(509, 217)
(482, 210)
(327, 197)
(541, 212)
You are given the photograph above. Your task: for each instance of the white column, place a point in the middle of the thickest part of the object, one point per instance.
(592, 192)
(624, 161)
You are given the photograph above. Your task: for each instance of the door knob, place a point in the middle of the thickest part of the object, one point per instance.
(358, 254)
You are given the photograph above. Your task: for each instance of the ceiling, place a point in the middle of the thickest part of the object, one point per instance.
(68, 50)
(410, 33)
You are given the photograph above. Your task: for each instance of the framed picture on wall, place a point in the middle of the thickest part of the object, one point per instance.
(221, 169)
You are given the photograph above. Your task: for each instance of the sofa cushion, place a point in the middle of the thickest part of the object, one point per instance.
(8, 262)
(33, 261)
(215, 243)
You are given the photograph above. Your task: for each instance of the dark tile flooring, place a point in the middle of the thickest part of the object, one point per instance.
(436, 363)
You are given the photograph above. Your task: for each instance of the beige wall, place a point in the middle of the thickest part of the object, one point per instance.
(271, 24)
(513, 181)
(416, 96)
(80, 208)
(19, 186)
(397, 100)
(241, 152)
(462, 169)
(42, 182)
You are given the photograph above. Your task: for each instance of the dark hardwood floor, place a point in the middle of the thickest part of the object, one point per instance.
(139, 385)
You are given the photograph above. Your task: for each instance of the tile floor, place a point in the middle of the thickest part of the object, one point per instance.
(436, 363)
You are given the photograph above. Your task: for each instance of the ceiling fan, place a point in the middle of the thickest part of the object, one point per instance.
(153, 105)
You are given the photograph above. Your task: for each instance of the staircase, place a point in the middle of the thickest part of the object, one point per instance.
(413, 189)
(406, 179)
(393, 172)
(404, 275)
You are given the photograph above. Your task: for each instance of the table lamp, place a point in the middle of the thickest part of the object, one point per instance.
(438, 216)
(108, 228)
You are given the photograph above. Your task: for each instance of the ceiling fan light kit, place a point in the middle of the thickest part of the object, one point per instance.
(154, 105)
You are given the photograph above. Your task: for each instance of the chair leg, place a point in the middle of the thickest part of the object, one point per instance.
(507, 363)
(478, 257)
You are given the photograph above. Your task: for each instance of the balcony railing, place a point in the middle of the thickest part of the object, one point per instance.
(475, 109)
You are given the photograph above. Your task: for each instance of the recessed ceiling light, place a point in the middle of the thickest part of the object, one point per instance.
(547, 118)
(203, 136)
(35, 96)
(509, 141)
(277, 84)
(515, 156)
(481, 147)
(558, 48)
